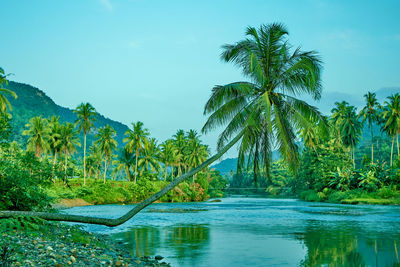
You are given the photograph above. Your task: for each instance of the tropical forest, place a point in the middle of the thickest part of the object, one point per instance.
(131, 170)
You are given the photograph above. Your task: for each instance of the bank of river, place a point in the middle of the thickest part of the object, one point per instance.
(258, 232)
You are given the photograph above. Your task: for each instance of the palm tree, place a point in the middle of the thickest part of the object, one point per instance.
(107, 144)
(150, 157)
(370, 113)
(69, 140)
(94, 161)
(391, 125)
(124, 162)
(54, 138)
(38, 133)
(4, 103)
(351, 129)
(180, 144)
(196, 154)
(86, 117)
(338, 113)
(265, 110)
(135, 140)
(167, 155)
(267, 106)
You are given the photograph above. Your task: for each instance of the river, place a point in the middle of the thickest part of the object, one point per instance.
(247, 231)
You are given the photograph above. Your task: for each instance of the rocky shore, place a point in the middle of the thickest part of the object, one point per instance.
(57, 244)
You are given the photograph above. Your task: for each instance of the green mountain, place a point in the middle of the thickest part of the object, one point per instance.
(32, 102)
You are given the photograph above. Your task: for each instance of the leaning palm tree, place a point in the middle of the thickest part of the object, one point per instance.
(135, 140)
(86, 117)
(4, 103)
(38, 133)
(107, 144)
(69, 140)
(391, 123)
(167, 155)
(370, 113)
(124, 162)
(261, 111)
(265, 111)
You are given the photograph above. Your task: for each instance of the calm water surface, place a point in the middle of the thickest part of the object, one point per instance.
(258, 232)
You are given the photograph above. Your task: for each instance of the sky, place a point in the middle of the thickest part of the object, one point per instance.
(156, 61)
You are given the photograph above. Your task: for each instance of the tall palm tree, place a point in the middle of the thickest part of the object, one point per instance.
(265, 111)
(69, 140)
(370, 113)
(391, 124)
(107, 144)
(135, 140)
(267, 106)
(180, 144)
(94, 161)
(196, 154)
(4, 103)
(338, 113)
(54, 138)
(86, 117)
(351, 129)
(38, 133)
(124, 162)
(167, 155)
(150, 157)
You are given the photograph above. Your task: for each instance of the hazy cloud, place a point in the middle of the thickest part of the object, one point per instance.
(107, 4)
(346, 39)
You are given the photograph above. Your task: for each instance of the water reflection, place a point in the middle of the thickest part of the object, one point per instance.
(342, 244)
(185, 242)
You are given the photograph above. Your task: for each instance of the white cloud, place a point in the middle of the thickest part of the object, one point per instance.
(107, 4)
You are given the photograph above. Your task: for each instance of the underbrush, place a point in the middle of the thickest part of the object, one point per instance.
(115, 192)
(389, 195)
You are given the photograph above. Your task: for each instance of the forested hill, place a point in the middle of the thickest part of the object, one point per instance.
(32, 102)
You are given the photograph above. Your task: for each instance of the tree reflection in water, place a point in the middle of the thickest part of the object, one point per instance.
(344, 245)
(185, 241)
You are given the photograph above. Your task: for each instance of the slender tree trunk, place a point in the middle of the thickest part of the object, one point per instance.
(84, 159)
(398, 150)
(118, 221)
(105, 169)
(172, 172)
(166, 171)
(54, 166)
(128, 173)
(137, 155)
(66, 161)
(391, 153)
(354, 157)
(372, 145)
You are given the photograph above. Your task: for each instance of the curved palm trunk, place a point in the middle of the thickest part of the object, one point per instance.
(172, 172)
(84, 159)
(133, 211)
(398, 150)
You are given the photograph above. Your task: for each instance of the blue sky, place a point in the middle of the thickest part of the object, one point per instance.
(156, 61)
